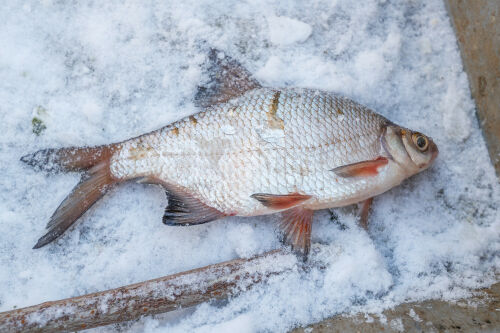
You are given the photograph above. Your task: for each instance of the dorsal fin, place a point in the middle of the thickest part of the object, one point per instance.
(227, 79)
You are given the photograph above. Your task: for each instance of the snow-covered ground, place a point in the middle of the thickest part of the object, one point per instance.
(104, 72)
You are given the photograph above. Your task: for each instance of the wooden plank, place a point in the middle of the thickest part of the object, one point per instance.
(150, 297)
(477, 26)
(479, 313)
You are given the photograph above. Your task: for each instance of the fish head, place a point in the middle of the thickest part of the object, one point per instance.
(411, 150)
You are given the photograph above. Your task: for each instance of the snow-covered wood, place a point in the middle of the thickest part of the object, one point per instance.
(149, 297)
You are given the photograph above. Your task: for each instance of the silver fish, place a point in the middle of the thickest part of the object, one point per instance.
(251, 150)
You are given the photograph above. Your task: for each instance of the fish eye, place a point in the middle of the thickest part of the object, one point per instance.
(420, 141)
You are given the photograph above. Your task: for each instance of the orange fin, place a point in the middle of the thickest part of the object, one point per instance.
(279, 202)
(94, 161)
(365, 211)
(361, 169)
(296, 225)
(183, 208)
(93, 185)
(227, 79)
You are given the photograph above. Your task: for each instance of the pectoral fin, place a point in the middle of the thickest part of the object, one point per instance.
(361, 169)
(296, 225)
(365, 212)
(227, 79)
(278, 201)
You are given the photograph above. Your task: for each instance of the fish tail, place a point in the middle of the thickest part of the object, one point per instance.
(67, 159)
(95, 182)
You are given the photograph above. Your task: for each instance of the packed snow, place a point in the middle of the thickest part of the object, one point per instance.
(286, 31)
(75, 74)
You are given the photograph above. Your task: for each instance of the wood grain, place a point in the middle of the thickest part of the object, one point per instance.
(477, 26)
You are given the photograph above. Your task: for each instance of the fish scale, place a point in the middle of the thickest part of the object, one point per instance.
(249, 145)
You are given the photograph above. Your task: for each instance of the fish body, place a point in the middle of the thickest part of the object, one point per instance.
(250, 150)
(276, 141)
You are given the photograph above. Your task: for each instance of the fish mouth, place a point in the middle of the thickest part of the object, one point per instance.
(434, 151)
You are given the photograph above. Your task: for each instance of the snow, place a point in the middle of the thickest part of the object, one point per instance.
(285, 31)
(414, 316)
(106, 71)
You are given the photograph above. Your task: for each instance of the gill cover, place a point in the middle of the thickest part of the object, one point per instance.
(411, 150)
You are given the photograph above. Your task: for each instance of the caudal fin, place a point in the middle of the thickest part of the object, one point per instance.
(93, 185)
(68, 159)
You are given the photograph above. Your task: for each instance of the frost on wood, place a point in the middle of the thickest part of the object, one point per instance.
(150, 297)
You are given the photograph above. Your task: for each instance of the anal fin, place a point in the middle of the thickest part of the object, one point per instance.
(296, 225)
(183, 208)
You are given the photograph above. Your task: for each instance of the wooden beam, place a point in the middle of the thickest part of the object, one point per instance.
(477, 313)
(477, 26)
(150, 297)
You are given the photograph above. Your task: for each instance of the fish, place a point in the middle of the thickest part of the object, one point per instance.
(249, 150)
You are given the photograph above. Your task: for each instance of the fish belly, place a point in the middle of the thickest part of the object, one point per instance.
(275, 141)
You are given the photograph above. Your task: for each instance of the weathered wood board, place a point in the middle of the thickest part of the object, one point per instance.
(476, 314)
(477, 26)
